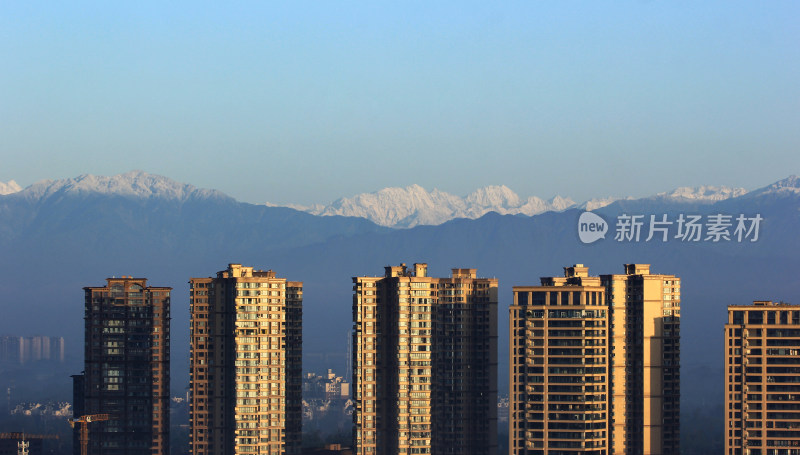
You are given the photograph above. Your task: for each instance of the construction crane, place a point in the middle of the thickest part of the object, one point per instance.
(24, 445)
(84, 422)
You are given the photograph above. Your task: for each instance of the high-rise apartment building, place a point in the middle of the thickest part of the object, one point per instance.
(645, 359)
(246, 363)
(126, 367)
(559, 369)
(425, 363)
(595, 364)
(762, 379)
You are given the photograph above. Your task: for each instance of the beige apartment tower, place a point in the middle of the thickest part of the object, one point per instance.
(245, 372)
(595, 364)
(425, 363)
(762, 379)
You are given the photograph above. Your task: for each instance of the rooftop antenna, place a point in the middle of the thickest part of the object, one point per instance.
(23, 447)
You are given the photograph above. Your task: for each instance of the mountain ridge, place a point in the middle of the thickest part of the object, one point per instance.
(413, 205)
(132, 184)
(393, 207)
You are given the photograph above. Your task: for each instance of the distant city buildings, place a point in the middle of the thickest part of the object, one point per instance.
(595, 364)
(246, 363)
(502, 411)
(328, 387)
(425, 363)
(762, 379)
(24, 350)
(126, 367)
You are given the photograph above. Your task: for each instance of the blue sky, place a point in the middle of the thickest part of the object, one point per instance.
(308, 101)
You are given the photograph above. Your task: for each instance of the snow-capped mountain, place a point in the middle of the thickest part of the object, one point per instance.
(137, 200)
(787, 187)
(133, 184)
(701, 194)
(414, 205)
(9, 187)
(598, 203)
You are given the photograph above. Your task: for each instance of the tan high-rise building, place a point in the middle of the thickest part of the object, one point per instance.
(645, 354)
(246, 365)
(559, 369)
(425, 363)
(762, 379)
(126, 373)
(595, 364)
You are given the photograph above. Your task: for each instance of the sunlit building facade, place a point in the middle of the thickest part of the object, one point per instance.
(246, 363)
(645, 361)
(595, 364)
(425, 363)
(762, 379)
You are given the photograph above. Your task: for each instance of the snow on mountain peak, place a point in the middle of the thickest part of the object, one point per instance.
(134, 184)
(790, 184)
(786, 187)
(792, 181)
(9, 187)
(598, 203)
(702, 193)
(561, 203)
(493, 196)
(414, 205)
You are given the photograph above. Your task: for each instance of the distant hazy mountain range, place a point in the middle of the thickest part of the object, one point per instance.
(414, 205)
(391, 207)
(58, 236)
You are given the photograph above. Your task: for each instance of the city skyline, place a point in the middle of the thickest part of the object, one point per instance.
(45, 225)
(631, 407)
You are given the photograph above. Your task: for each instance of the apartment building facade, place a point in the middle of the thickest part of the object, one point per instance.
(126, 367)
(762, 379)
(245, 363)
(595, 364)
(425, 362)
